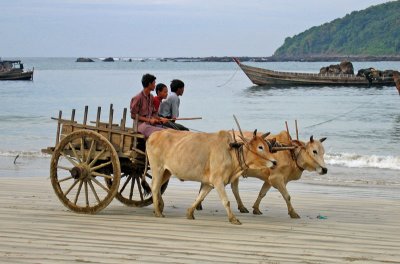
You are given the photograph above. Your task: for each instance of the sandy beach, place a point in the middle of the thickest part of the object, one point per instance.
(355, 226)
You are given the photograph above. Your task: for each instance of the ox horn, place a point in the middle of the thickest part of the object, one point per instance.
(322, 139)
(240, 130)
(265, 135)
(311, 139)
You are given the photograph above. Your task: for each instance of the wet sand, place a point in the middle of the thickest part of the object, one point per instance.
(358, 225)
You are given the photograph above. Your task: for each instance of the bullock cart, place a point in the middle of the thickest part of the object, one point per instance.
(93, 162)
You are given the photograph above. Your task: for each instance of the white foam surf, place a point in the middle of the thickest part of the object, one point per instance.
(350, 160)
(353, 160)
(28, 154)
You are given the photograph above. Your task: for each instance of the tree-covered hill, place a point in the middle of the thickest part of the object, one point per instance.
(374, 31)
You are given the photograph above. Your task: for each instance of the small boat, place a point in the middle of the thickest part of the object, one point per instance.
(14, 70)
(261, 76)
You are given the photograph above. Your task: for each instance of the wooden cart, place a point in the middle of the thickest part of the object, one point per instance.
(95, 161)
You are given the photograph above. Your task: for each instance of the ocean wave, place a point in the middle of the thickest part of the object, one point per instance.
(13, 118)
(350, 160)
(353, 160)
(28, 154)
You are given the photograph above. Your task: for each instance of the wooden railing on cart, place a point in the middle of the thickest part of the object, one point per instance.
(123, 139)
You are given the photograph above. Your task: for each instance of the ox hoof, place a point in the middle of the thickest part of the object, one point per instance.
(243, 209)
(190, 217)
(189, 214)
(257, 211)
(158, 214)
(294, 215)
(199, 207)
(235, 221)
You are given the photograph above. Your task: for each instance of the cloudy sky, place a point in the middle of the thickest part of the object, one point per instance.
(159, 28)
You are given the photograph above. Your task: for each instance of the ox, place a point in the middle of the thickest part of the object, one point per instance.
(213, 159)
(291, 164)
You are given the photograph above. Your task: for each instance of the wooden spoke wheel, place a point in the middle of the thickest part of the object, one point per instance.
(131, 192)
(76, 171)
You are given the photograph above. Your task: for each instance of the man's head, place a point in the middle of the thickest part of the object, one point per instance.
(149, 80)
(177, 86)
(162, 90)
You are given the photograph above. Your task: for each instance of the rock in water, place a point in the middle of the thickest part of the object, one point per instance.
(396, 77)
(346, 67)
(84, 60)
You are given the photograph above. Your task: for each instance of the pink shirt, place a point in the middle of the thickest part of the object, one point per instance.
(143, 105)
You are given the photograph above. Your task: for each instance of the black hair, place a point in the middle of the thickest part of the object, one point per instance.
(176, 84)
(147, 79)
(160, 87)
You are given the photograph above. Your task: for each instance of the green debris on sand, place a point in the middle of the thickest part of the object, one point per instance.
(322, 217)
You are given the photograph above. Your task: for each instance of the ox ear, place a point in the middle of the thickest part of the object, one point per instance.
(265, 135)
(311, 139)
(322, 139)
(255, 133)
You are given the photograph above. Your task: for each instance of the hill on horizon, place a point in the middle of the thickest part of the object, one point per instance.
(374, 31)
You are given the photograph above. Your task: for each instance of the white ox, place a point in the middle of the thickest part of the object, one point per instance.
(290, 166)
(209, 158)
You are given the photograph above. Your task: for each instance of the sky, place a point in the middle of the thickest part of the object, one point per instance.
(160, 28)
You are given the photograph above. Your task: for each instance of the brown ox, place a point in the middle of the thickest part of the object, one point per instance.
(209, 158)
(290, 166)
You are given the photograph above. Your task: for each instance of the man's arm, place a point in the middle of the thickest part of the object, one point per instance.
(175, 107)
(134, 107)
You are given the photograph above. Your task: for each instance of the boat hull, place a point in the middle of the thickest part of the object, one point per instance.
(12, 76)
(260, 76)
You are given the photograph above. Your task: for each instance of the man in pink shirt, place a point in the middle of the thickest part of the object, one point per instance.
(142, 105)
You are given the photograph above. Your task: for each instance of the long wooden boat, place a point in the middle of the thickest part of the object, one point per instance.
(14, 70)
(261, 76)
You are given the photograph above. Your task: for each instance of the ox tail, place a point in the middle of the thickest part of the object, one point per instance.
(145, 185)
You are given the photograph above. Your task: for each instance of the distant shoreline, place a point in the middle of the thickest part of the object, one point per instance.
(285, 59)
(247, 59)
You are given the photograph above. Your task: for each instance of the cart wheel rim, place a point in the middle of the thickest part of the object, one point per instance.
(75, 174)
(130, 191)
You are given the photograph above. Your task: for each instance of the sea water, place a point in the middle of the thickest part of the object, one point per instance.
(362, 124)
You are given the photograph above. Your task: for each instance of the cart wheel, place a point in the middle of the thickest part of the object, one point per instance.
(76, 163)
(130, 190)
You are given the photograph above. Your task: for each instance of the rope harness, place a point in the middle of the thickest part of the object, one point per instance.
(295, 157)
(240, 157)
(292, 151)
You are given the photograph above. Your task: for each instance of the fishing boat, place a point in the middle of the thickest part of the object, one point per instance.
(14, 70)
(265, 77)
